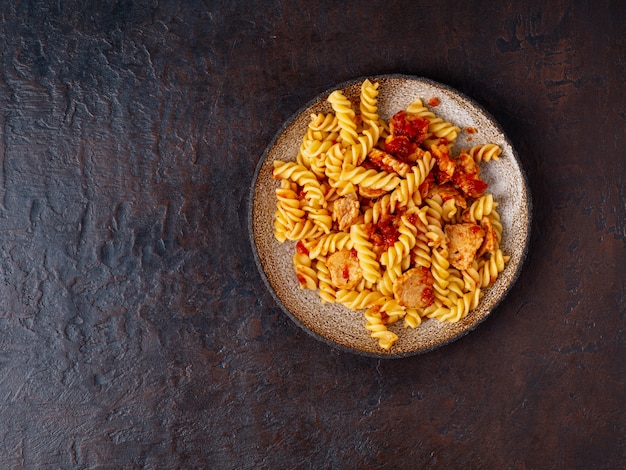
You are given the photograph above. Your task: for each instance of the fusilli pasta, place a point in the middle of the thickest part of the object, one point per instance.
(386, 220)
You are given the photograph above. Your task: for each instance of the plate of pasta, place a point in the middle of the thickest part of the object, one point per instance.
(389, 216)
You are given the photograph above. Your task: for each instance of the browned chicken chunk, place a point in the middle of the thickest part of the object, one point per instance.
(491, 241)
(371, 193)
(445, 165)
(345, 270)
(463, 241)
(414, 288)
(388, 162)
(467, 176)
(346, 211)
(447, 191)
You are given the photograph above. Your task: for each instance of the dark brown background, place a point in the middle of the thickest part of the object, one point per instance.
(135, 329)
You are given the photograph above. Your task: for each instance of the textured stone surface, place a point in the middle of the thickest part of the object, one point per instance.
(135, 331)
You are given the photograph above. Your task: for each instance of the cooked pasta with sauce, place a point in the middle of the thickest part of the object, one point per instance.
(386, 217)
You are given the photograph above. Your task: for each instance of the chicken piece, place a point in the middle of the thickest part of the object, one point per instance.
(345, 270)
(414, 288)
(445, 165)
(387, 162)
(467, 176)
(371, 193)
(463, 241)
(418, 154)
(490, 242)
(447, 191)
(346, 211)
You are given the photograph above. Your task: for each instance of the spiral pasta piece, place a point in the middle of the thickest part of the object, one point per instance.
(314, 148)
(369, 178)
(358, 300)
(346, 117)
(437, 127)
(333, 168)
(304, 229)
(407, 193)
(378, 330)
(327, 292)
(440, 129)
(365, 142)
(306, 274)
(288, 210)
(417, 107)
(329, 243)
(485, 152)
(490, 268)
(434, 217)
(482, 207)
(412, 319)
(369, 102)
(319, 216)
(439, 269)
(494, 218)
(289, 203)
(367, 258)
(389, 276)
(380, 209)
(324, 122)
(302, 176)
(395, 254)
(456, 283)
(421, 253)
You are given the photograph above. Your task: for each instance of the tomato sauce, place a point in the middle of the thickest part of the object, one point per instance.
(301, 249)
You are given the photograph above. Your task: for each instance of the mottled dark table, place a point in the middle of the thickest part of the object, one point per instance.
(135, 329)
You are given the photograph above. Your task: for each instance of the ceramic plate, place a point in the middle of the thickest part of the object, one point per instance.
(334, 323)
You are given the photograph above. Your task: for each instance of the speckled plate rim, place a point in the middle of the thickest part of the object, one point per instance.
(526, 205)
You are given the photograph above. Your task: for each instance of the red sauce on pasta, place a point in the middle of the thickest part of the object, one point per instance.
(300, 248)
(410, 125)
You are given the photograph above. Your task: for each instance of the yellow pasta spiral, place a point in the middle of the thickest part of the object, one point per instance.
(407, 193)
(367, 258)
(304, 177)
(304, 229)
(412, 319)
(345, 116)
(306, 274)
(356, 300)
(329, 243)
(324, 122)
(481, 207)
(489, 269)
(437, 127)
(326, 290)
(434, 216)
(485, 152)
(369, 101)
(403, 246)
(378, 330)
(421, 253)
(439, 269)
(369, 178)
(320, 217)
(365, 142)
